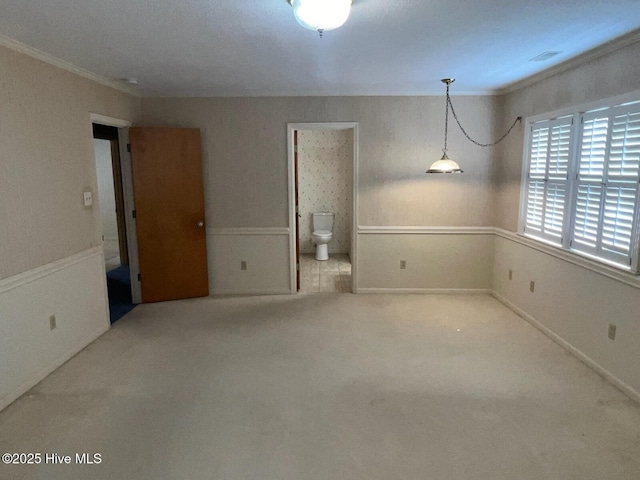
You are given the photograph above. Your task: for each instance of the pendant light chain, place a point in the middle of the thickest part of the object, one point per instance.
(449, 104)
(446, 121)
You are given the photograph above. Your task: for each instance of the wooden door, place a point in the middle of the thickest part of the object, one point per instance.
(169, 198)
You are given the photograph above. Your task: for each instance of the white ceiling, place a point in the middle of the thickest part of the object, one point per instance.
(256, 47)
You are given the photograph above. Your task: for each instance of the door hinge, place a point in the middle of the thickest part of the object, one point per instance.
(129, 147)
(297, 267)
(133, 213)
(139, 277)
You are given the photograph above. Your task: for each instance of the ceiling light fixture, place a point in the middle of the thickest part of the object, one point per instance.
(321, 15)
(445, 164)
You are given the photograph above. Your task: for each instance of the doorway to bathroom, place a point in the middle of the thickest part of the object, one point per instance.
(322, 198)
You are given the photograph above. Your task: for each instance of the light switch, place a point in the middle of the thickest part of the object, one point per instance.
(88, 199)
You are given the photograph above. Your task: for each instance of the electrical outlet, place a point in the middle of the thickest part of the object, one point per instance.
(88, 199)
(612, 331)
(243, 265)
(52, 322)
(510, 274)
(532, 286)
(403, 264)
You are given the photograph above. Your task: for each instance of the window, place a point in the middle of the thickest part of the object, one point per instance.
(581, 183)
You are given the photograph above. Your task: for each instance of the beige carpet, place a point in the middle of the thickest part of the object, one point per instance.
(326, 386)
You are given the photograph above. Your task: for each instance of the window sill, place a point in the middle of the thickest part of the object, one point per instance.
(615, 273)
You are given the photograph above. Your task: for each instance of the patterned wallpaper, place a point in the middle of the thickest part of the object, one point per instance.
(325, 182)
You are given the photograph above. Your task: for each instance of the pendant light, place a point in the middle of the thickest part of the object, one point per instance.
(445, 164)
(321, 15)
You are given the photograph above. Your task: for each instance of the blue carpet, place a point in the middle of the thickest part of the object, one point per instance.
(119, 287)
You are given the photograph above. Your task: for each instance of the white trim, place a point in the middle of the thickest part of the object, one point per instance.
(249, 231)
(110, 121)
(129, 207)
(273, 291)
(429, 291)
(291, 128)
(586, 57)
(412, 230)
(573, 258)
(588, 361)
(25, 49)
(37, 273)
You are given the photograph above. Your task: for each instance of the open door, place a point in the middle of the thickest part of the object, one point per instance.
(169, 197)
(295, 162)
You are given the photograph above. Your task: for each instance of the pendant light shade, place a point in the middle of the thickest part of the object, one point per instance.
(444, 165)
(321, 15)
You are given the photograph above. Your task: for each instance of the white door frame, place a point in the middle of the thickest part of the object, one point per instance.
(129, 201)
(291, 128)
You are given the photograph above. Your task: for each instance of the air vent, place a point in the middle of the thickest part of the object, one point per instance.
(544, 56)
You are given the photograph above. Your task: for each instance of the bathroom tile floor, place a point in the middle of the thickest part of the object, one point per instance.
(333, 275)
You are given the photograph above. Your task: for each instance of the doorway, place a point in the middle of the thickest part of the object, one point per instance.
(322, 179)
(112, 214)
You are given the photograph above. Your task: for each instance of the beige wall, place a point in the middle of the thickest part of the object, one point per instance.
(571, 302)
(245, 167)
(47, 160)
(245, 156)
(576, 305)
(51, 262)
(325, 184)
(614, 74)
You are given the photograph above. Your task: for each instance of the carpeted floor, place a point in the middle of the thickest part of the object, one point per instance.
(326, 386)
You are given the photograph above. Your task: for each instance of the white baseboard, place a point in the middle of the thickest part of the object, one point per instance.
(429, 291)
(251, 293)
(626, 389)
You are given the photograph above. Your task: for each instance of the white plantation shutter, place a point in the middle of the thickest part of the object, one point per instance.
(617, 222)
(549, 156)
(593, 147)
(587, 218)
(535, 205)
(624, 157)
(581, 189)
(607, 184)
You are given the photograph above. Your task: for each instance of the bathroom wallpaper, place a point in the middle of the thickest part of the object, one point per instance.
(325, 182)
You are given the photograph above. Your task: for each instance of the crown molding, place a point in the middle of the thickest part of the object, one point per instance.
(588, 56)
(25, 49)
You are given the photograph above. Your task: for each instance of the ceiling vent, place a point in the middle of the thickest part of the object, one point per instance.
(544, 56)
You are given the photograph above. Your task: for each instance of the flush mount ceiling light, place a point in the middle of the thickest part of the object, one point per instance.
(321, 15)
(445, 164)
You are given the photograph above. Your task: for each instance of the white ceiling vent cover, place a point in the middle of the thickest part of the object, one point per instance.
(544, 56)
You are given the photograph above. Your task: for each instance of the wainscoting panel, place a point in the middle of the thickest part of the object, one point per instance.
(574, 304)
(437, 259)
(74, 290)
(266, 253)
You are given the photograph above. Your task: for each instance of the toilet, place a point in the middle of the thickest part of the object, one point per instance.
(322, 233)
